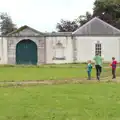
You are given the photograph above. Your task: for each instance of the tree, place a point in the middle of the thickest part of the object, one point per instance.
(6, 24)
(70, 26)
(66, 26)
(113, 1)
(82, 19)
(108, 10)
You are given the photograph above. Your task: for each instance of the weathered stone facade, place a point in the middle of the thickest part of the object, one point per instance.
(13, 41)
(24, 35)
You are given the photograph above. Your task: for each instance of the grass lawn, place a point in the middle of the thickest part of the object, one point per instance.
(46, 72)
(61, 102)
(18, 73)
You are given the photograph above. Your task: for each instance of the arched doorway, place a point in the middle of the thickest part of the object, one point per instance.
(26, 52)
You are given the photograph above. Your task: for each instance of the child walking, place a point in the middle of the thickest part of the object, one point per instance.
(114, 63)
(89, 69)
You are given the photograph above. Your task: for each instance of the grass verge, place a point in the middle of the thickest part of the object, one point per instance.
(61, 102)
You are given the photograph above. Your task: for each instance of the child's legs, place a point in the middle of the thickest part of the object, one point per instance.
(89, 75)
(113, 73)
(97, 70)
(100, 70)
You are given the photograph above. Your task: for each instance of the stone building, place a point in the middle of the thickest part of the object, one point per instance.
(29, 46)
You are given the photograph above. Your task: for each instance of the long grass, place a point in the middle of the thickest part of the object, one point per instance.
(61, 102)
(48, 72)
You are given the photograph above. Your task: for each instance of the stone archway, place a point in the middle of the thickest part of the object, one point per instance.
(26, 52)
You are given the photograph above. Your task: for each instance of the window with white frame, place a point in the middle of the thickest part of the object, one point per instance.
(98, 48)
(59, 52)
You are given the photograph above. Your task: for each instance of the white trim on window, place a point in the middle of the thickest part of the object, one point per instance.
(93, 47)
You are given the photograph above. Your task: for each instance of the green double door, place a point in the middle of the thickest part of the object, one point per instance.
(26, 52)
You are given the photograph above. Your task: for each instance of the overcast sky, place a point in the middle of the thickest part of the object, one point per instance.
(43, 15)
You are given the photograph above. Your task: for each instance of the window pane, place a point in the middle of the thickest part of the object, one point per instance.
(98, 48)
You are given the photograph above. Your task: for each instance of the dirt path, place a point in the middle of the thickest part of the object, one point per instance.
(52, 82)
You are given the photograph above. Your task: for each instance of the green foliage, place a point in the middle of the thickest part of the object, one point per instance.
(108, 10)
(66, 26)
(82, 19)
(6, 24)
(70, 26)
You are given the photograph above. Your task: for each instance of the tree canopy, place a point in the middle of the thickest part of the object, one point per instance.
(67, 26)
(6, 24)
(107, 10)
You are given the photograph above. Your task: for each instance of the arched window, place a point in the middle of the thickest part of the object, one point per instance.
(59, 52)
(98, 48)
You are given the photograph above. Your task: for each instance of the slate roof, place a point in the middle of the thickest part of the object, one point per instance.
(96, 26)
